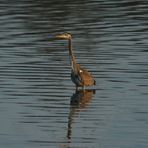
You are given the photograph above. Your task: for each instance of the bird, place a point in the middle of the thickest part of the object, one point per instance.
(79, 75)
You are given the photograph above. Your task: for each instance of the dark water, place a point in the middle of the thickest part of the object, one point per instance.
(38, 103)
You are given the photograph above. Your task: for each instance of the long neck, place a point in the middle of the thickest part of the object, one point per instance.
(72, 57)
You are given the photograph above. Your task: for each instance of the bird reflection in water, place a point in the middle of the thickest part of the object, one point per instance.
(79, 100)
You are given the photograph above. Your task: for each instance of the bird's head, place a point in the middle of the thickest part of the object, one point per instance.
(64, 36)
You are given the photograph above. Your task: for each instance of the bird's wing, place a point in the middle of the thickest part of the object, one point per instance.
(86, 77)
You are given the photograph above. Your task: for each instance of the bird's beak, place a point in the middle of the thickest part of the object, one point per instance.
(55, 37)
(61, 36)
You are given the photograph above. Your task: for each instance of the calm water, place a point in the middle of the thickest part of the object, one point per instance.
(39, 107)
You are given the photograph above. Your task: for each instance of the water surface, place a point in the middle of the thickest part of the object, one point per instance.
(38, 103)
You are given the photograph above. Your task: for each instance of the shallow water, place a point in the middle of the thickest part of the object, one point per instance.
(38, 103)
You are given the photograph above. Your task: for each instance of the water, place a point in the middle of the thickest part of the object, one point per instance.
(38, 103)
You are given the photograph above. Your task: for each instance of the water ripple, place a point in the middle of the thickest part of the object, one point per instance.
(39, 104)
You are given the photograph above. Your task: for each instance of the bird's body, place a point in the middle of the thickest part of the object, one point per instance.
(82, 77)
(79, 76)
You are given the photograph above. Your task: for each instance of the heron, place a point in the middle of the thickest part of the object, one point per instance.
(79, 75)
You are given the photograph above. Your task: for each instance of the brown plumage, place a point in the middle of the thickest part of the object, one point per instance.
(80, 76)
(86, 77)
